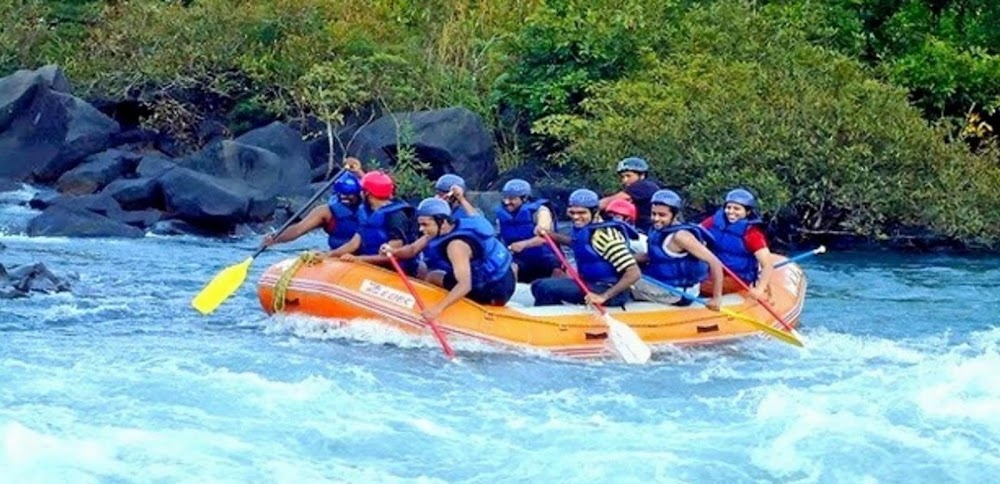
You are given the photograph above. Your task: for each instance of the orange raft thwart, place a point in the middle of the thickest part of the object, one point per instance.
(345, 291)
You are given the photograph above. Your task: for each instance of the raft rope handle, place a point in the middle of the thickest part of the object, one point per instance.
(281, 287)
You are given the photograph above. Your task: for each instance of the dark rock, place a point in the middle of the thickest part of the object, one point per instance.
(2, 247)
(135, 193)
(204, 199)
(22, 280)
(140, 218)
(452, 140)
(180, 227)
(101, 204)
(55, 78)
(154, 165)
(61, 220)
(97, 171)
(44, 131)
(264, 170)
(486, 202)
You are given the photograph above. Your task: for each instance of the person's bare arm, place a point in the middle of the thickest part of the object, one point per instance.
(407, 251)
(459, 254)
(317, 217)
(766, 262)
(349, 247)
(688, 243)
(627, 280)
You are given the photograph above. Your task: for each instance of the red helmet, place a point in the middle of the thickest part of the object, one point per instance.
(378, 184)
(620, 206)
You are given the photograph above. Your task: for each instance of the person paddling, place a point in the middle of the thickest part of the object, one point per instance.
(677, 256)
(518, 218)
(339, 217)
(602, 258)
(476, 264)
(451, 188)
(740, 242)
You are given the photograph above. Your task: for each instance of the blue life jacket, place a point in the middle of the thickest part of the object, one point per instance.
(518, 226)
(592, 267)
(490, 258)
(680, 272)
(346, 221)
(731, 249)
(374, 233)
(459, 212)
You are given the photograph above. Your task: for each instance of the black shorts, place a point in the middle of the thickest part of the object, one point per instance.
(530, 272)
(495, 293)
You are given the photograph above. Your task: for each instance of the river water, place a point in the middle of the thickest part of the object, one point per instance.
(122, 381)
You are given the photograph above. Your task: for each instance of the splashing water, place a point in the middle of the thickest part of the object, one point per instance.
(123, 381)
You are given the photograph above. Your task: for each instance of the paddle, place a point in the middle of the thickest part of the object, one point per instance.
(805, 255)
(225, 283)
(420, 303)
(762, 301)
(623, 338)
(770, 330)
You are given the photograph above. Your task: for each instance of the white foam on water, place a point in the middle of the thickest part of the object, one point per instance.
(890, 396)
(372, 331)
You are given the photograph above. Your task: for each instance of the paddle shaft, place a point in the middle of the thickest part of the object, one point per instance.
(805, 255)
(571, 271)
(762, 301)
(420, 303)
(777, 333)
(293, 218)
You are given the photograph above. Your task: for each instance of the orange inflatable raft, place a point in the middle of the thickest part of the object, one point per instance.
(345, 291)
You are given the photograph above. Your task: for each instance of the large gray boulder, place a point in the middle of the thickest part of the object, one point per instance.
(97, 171)
(452, 140)
(204, 199)
(69, 221)
(44, 130)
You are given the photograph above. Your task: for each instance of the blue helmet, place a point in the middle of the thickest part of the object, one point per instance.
(637, 165)
(742, 197)
(433, 207)
(347, 185)
(584, 198)
(445, 183)
(516, 188)
(669, 198)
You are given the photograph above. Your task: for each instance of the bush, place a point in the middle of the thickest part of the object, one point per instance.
(745, 100)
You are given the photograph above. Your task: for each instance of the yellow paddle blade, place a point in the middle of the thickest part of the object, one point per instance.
(626, 342)
(221, 287)
(785, 336)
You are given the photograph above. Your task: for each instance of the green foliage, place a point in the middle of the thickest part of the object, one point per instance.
(23, 33)
(743, 100)
(568, 45)
(804, 101)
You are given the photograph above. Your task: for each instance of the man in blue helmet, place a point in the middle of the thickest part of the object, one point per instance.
(678, 256)
(476, 264)
(602, 255)
(519, 218)
(740, 242)
(451, 188)
(636, 188)
(339, 217)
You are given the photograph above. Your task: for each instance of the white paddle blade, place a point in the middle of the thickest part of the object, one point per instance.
(626, 342)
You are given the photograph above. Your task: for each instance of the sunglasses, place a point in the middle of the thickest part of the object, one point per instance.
(577, 212)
